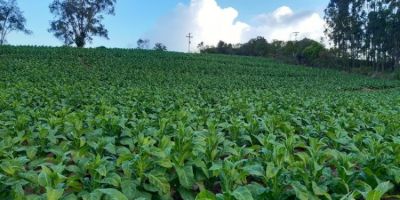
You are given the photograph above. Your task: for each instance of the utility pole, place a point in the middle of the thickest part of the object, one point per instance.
(189, 36)
(295, 52)
(295, 35)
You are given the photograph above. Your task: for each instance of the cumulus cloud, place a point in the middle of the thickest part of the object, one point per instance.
(283, 22)
(210, 23)
(205, 19)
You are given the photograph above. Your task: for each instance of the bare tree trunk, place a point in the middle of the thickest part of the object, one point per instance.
(4, 30)
(3, 36)
(80, 40)
(396, 56)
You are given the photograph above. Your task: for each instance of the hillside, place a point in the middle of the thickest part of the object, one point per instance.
(82, 123)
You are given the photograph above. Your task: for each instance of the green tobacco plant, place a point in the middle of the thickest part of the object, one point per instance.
(126, 124)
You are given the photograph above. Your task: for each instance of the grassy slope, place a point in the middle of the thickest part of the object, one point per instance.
(103, 102)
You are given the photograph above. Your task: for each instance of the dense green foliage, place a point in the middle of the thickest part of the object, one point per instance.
(131, 124)
(305, 52)
(367, 30)
(364, 34)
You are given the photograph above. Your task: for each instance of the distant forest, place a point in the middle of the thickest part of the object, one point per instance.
(365, 36)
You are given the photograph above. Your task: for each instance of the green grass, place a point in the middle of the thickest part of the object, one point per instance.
(126, 124)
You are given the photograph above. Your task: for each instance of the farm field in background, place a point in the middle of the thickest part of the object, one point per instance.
(127, 124)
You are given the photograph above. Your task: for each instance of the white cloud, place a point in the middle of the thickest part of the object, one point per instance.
(205, 19)
(210, 23)
(283, 22)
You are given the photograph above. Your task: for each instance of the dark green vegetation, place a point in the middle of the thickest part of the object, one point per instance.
(305, 52)
(364, 34)
(367, 30)
(123, 124)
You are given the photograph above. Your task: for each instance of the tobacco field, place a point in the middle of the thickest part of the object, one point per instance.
(119, 124)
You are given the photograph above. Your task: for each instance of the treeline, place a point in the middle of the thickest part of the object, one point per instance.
(367, 30)
(305, 52)
(364, 34)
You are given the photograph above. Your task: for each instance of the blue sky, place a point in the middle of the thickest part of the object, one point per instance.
(141, 18)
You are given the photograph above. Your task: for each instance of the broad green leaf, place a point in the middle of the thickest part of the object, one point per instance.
(44, 178)
(242, 193)
(319, 191)
(166, 162)
(102, 170)
(18, 192)
(301, 192)
(54, 194)
(271, 171)
(186, 176)
(70, 197)
(363, 188)
(256, 189)
(379, 191)
(349, 196)
(395, 172)
(129, 188)
(31, 152)
(159, 181)
(110, 148)
(254, 170)
(112, 179)
(186, 194)
(113, 194)
(8, 168)
(200, 164)
(95, 195)
(206, 195)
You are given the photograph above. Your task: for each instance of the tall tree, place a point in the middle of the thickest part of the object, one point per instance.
(356, 32)
(337, 16)
(11, 19)
(366, 30)
(77, 21)
(394, 28)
